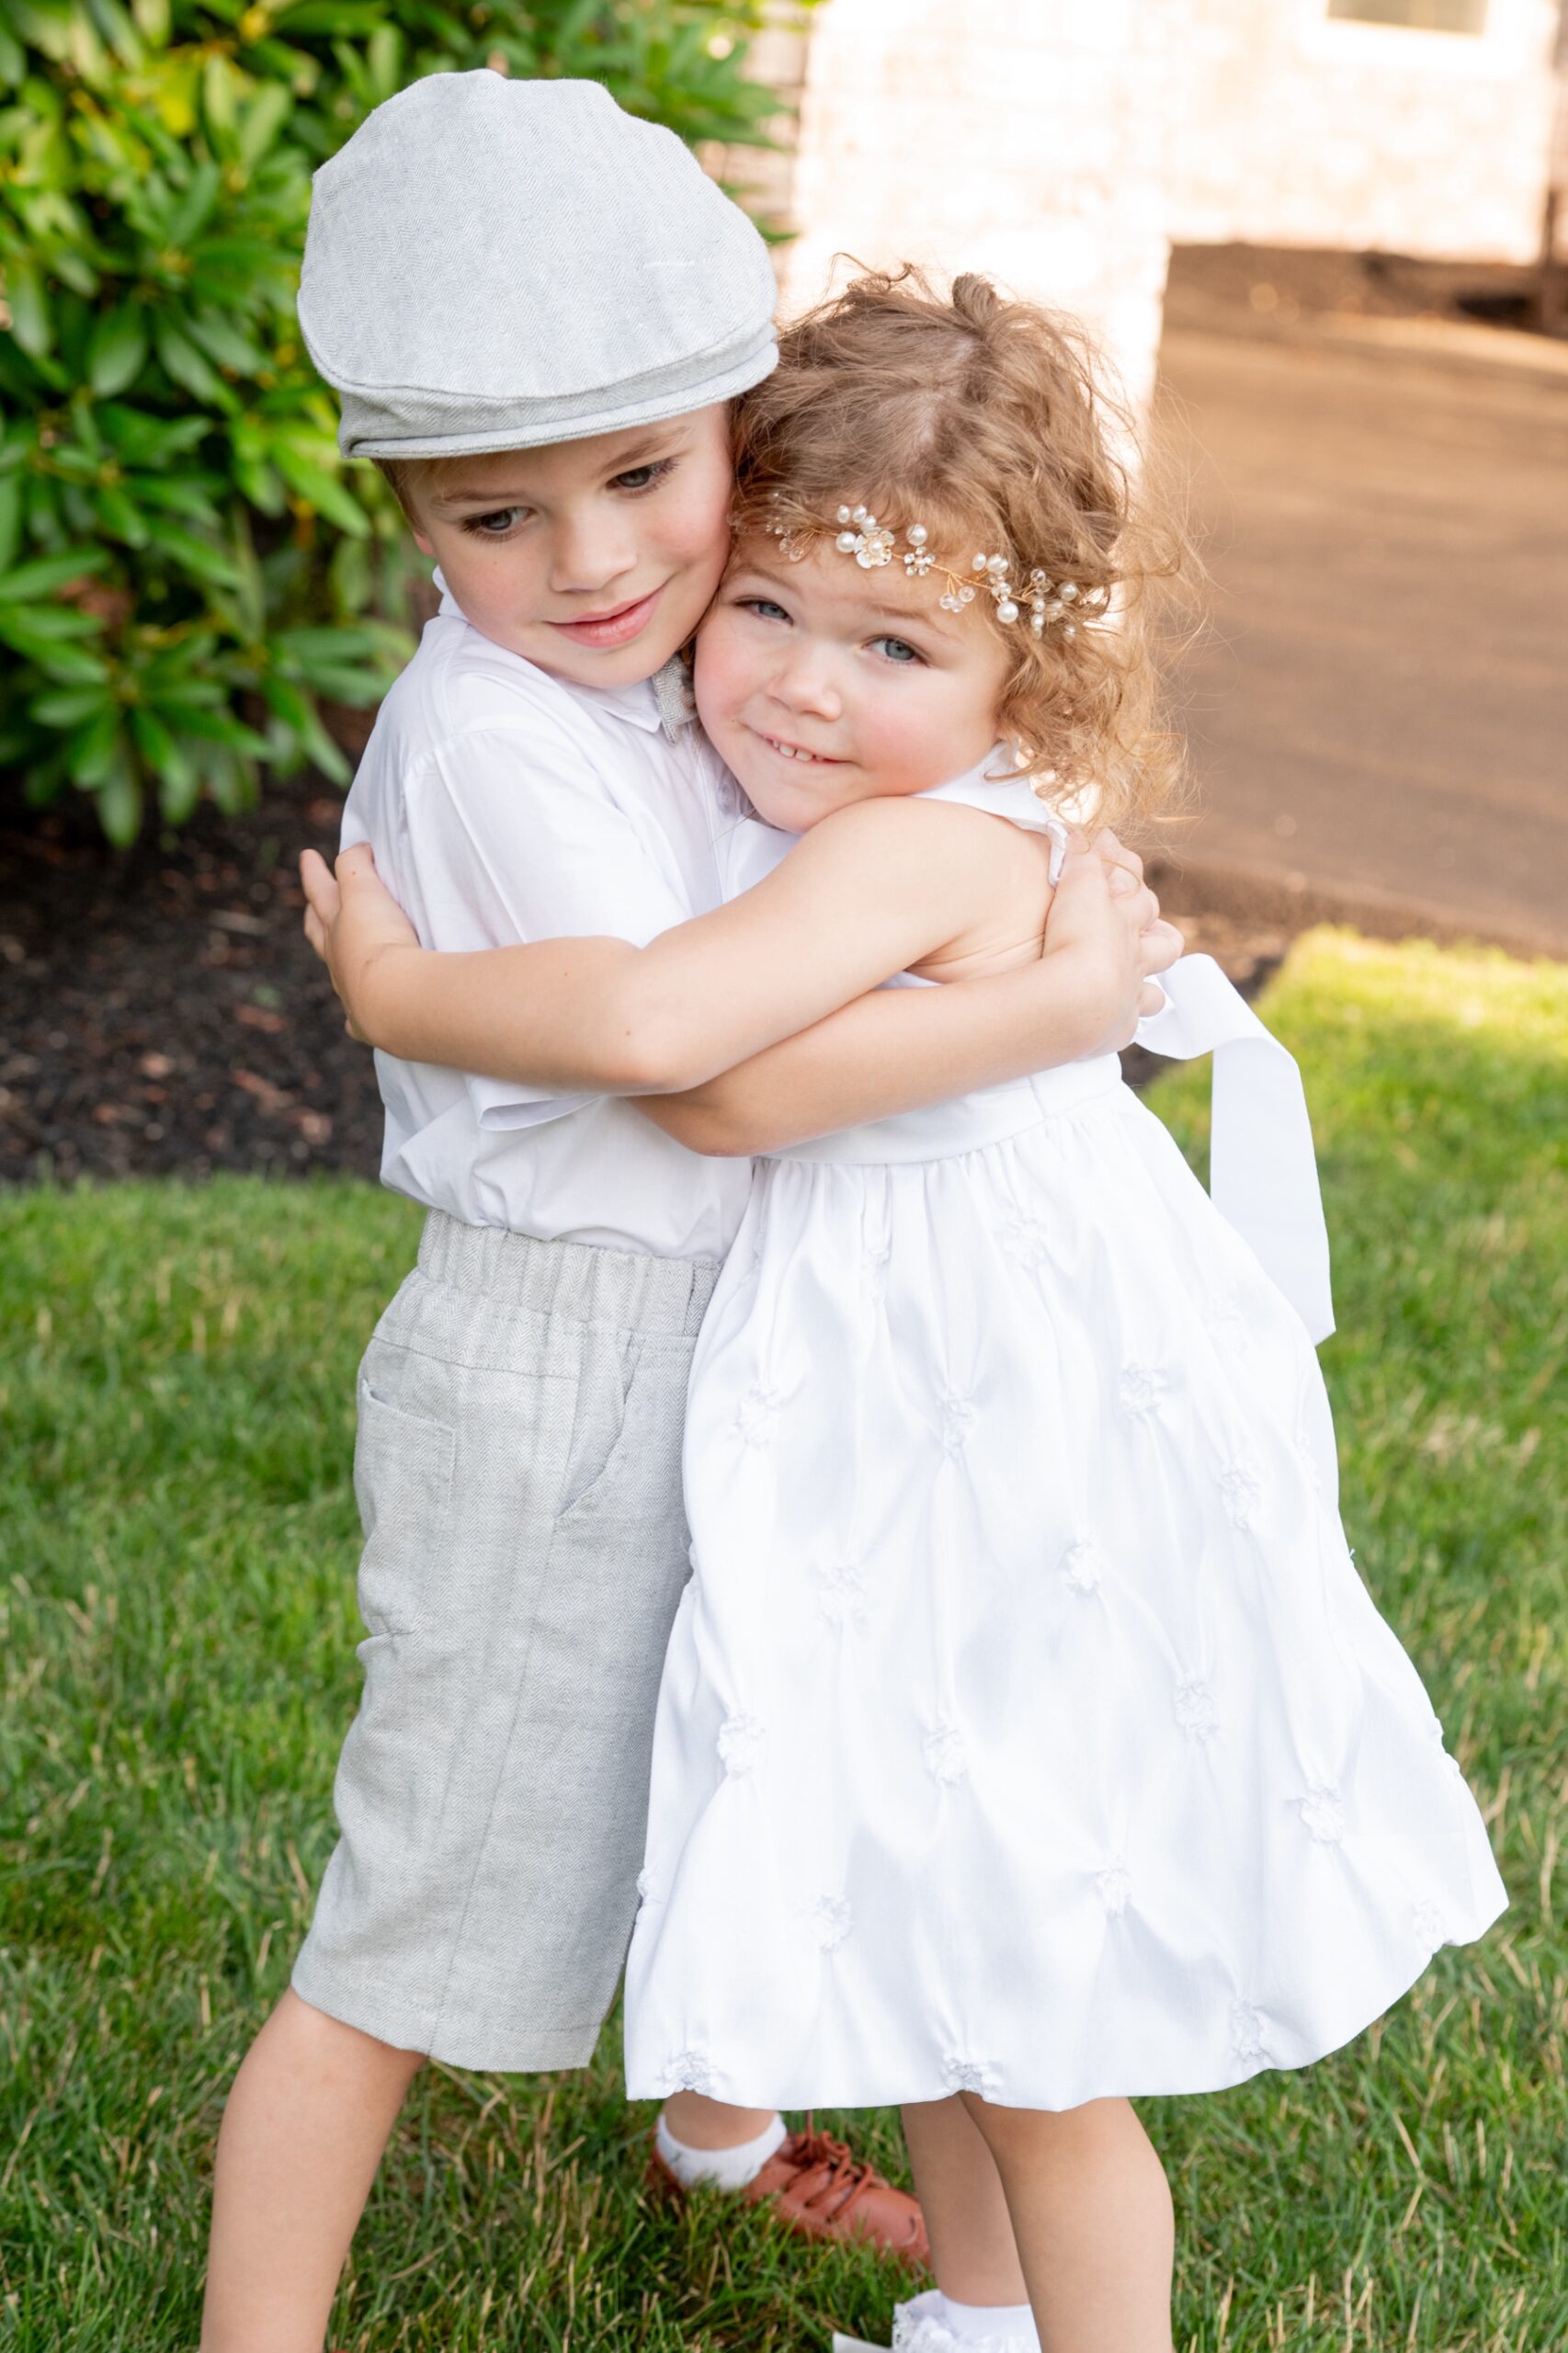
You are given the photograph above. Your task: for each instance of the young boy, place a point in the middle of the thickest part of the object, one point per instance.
(535, 310)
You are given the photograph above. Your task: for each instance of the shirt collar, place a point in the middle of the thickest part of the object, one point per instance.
(637, 703)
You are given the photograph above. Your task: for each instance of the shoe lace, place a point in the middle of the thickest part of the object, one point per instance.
(846, 2176)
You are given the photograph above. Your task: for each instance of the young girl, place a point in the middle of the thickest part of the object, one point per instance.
(1028, 1741)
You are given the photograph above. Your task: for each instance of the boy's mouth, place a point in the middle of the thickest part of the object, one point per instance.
(617, 626)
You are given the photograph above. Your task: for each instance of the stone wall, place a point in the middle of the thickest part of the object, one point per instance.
(1287, 127)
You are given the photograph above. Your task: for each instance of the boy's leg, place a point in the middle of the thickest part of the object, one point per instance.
(1091, 2213)
(302, 2134)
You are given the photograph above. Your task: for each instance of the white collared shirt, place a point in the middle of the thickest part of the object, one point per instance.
(506, 805)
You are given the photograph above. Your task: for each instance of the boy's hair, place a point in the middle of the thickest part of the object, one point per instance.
(980, 417)
(405, 474)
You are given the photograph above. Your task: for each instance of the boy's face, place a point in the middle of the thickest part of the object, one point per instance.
(594, 558)
(820, 684)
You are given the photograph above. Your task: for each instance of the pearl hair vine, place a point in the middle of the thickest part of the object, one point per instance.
(1044, 602)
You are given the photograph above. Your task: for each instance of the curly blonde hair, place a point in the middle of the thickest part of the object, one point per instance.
(982, 417)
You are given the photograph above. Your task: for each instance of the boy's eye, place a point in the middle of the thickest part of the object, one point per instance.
(499, 525)
(644, 477)
(897, 650)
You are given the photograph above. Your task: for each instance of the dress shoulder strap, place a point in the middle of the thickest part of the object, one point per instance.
(1014, 798)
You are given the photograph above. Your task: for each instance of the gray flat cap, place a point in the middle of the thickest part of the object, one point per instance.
(494, 265)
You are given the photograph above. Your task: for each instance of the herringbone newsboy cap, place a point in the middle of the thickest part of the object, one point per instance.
(494, 265)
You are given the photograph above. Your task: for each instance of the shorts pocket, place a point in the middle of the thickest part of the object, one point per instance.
(402, 1480)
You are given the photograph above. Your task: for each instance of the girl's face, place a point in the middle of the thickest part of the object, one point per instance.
(593, 559)
(820, 684)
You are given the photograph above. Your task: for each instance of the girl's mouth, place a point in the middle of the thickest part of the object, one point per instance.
(616, 627)
(798, 752)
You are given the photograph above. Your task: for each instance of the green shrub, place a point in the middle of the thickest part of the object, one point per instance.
(184, 571)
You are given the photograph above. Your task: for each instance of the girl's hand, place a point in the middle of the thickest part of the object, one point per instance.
(354, 923)
(1106, 920)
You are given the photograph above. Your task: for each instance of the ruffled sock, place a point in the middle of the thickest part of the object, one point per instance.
(932, 2323)
(722, 2168)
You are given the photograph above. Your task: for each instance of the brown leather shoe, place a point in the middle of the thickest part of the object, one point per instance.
(815, 2186)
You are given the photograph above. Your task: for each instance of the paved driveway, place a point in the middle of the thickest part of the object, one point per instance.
(1381, 705)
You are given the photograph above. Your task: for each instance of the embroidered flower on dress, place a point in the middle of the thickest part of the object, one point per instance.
(1140, 1390)
(963, 2074)
(958, 1420)
(1428, 1923)
(740, 1737)
(874, 1258)
(686, 2071)
(946, 1755)
(1194, 1708)
(841, 1592)
(1307, 1456)
(1026, 1242)
(1193, 1704)
(832, 1920)
(1080, 1567)
(1227, 1323)
(757, 1412)
(1114, 1885)
(1323, 1814)
(1241, 1490)
(1249, 2031)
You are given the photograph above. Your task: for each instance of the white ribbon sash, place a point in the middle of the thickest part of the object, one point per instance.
(1263, 1176)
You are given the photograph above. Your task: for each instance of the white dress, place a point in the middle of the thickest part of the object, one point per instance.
(1026, 1726)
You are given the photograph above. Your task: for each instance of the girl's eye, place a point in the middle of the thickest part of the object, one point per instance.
(898, 651)
(499, 525)
(644, 477)
(764, 607)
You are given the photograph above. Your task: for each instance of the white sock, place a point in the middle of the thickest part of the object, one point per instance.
(1008, 2324)
(1008, 2327)
(726, 2169)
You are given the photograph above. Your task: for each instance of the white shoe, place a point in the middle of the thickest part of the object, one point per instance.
(853, 2345)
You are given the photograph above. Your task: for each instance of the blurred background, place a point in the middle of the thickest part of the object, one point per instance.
(1319, 241)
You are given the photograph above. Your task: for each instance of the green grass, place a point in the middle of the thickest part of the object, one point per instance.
(178, 1537)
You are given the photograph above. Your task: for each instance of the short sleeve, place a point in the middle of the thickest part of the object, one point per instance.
(507, 835)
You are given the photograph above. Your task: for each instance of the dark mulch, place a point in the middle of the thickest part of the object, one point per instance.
(162, 1013)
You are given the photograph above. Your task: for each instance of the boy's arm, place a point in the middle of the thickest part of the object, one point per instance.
(897, 1049)
(704, 995)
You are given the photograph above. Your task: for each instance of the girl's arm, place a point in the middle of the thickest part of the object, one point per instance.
(897, 1049)
(891, 1051)
(697, 999)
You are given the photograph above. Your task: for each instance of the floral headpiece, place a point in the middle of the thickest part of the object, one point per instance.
(872, 545)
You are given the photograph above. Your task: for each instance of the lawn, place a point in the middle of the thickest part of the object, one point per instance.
(176, 1631)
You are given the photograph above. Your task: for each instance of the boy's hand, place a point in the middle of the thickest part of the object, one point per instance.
(1106, 918)
(353, 922)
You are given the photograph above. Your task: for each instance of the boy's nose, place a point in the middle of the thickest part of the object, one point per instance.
(588, 555)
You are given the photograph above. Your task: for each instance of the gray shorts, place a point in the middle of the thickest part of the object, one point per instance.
(517, 1468)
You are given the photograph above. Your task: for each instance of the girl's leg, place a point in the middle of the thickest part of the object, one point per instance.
(302, 2134)
(974, 2252)
(1091, 2213)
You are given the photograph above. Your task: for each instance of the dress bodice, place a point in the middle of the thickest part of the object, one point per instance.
(967, 1121)
(1263, 1168)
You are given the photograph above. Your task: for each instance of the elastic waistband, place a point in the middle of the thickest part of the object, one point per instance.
(576, 1279)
